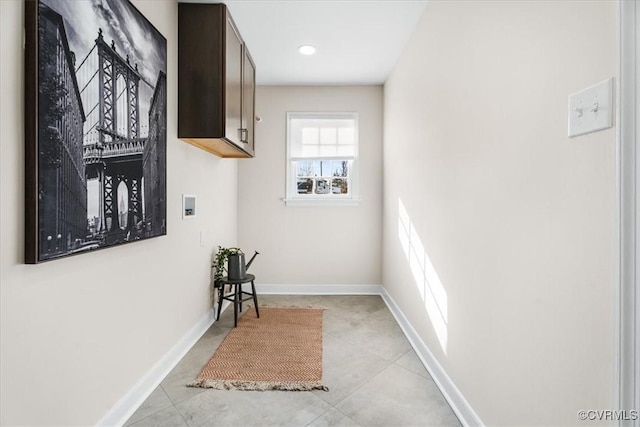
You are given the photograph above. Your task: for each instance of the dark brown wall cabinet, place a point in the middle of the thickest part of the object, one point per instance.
(216, 82)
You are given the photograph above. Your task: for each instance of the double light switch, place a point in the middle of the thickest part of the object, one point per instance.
(591, 109)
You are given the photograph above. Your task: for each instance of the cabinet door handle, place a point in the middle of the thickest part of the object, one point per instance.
(244, 135)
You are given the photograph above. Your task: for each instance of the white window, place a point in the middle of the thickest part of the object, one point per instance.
(322, 158)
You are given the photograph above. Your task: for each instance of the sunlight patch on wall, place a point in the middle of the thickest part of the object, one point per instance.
(424, 274)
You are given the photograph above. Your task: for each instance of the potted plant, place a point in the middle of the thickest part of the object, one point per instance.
(220, 262)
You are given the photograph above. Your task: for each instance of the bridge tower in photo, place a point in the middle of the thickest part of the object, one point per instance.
(114, 139)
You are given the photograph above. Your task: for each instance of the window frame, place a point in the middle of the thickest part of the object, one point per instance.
(292, 197)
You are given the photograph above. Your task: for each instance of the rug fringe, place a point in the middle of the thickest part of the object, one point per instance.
(258, 385)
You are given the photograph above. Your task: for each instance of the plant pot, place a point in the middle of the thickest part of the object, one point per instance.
(236, 267)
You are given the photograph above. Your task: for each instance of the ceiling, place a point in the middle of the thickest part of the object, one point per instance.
(357, 41)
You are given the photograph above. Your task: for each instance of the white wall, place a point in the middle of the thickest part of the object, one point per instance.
(78, 333)
(516, 219)
(311, 245)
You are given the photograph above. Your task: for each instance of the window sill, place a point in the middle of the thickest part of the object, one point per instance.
(322, 202)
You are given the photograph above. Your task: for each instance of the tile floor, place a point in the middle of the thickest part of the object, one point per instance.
(374, 378)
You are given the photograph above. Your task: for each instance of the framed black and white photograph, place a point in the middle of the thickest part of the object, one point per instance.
(95, 127)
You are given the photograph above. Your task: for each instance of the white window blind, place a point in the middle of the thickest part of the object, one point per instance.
(327, 137)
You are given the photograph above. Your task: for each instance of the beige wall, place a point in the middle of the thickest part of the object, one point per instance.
(311, 245)
(78, 333)
(516, 219)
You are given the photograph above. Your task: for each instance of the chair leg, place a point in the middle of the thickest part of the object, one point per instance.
(220, 295)
(236, 303)
(255, 298)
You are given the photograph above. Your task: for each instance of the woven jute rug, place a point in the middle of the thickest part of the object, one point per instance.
(282, 350)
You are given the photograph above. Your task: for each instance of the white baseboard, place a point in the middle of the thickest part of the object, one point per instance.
(454, 397)
(130, 402)
(318, 289)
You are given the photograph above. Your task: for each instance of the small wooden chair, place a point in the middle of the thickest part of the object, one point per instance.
(237, 295)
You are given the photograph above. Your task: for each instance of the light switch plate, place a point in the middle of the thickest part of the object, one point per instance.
(591, 109)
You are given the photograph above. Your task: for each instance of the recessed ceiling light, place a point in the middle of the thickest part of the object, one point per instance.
(307, 49)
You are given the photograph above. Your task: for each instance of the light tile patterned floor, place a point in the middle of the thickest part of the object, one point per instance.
(374, 378)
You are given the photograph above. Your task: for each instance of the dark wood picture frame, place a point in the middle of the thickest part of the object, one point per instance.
(95, 127)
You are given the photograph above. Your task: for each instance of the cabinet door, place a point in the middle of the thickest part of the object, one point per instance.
(248, 102)
(233, 85)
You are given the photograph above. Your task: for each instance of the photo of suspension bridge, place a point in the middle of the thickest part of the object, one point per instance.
(102, 126)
